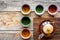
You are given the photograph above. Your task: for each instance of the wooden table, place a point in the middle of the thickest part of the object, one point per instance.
(37, 22)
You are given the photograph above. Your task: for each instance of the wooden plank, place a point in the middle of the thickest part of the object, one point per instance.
(56, 35)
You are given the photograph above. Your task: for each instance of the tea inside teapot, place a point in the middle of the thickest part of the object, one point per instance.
(48, 29)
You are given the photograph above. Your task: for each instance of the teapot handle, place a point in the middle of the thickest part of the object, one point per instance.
(41, 36)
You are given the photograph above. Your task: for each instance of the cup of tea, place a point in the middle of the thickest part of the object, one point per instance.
(39, 9)
(25, 9)
(25, 21)
(25, 33)
(52, 9)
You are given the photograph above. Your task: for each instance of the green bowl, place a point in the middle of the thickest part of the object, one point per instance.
(25, 21)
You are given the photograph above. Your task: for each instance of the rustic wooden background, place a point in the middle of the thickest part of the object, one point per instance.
(46, 16)
(10, 35)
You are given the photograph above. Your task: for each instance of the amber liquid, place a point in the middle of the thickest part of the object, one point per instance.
(25, 8)
(25, 33)
(52, 8)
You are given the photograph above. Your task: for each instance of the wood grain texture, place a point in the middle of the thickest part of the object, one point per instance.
(37, 22)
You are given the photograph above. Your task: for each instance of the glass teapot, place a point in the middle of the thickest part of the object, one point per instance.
(47, 29)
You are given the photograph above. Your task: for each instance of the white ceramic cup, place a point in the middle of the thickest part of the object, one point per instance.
(26, 12)
(25, 33)
(55, 11)
(42, 11)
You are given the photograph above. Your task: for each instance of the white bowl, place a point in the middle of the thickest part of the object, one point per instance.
(54, 12)
(41, 12)
(24, 12)
(23, 36)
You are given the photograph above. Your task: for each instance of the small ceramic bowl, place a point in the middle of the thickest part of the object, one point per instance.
(25, 9)
(25, 33)
(39, 9)
(52, 9)
(25, 21)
